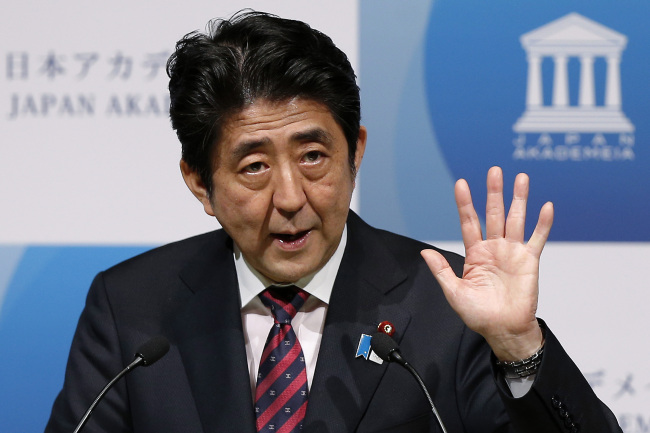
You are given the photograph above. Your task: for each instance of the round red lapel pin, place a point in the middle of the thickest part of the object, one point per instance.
(386, 327)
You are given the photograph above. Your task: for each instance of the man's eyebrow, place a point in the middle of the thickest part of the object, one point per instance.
(318, 135)
(244, 148)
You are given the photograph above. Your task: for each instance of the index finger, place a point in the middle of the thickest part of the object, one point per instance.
(470, 226)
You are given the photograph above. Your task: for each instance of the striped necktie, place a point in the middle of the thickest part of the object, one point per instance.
(281, 393)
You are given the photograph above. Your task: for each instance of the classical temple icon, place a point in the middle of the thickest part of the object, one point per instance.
(573, 36)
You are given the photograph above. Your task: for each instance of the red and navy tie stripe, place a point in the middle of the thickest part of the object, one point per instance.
(281, 393)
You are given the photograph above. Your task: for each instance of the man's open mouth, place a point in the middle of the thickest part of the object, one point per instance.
(286, 237)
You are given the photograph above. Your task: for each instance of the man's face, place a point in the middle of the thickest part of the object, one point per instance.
(282, 185)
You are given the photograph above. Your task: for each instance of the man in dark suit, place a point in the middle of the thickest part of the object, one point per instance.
(267, 112)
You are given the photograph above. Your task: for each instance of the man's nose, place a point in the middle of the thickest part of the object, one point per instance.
(289, 194)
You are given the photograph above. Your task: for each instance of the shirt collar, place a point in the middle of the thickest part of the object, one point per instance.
(318, 284)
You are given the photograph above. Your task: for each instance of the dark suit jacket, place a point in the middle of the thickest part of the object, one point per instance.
(188, 292)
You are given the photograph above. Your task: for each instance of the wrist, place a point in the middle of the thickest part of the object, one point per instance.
(514, 348)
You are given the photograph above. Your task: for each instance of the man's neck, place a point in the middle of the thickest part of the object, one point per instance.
(319, 283)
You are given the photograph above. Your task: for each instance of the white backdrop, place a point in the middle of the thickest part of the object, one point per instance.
(110, 175)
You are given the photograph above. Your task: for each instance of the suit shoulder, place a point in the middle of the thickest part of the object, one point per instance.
(171, 257)
(405, 250)
(404, 242)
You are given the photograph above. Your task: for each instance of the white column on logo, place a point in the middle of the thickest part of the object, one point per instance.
(587, 89)
(613, 84)
(534, 88)
(560, 81)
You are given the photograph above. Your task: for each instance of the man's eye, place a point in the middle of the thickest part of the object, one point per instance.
(312, 156)
(255, 167)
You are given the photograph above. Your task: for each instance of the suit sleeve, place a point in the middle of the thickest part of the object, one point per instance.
(560, 400)
(94, 360)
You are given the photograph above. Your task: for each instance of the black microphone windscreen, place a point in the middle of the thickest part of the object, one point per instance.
(153, 350)
(383, 345)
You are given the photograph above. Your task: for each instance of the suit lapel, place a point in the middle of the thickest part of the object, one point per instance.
(344, 384)
(209, 334)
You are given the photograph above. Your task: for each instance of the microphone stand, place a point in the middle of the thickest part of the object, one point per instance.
(388, 350)
(136, 362)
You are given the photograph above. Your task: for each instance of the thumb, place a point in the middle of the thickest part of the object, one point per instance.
(441, 271)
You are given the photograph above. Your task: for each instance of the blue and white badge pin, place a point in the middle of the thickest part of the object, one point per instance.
(364, 349)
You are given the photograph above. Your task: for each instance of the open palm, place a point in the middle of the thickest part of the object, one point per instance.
(497, 294)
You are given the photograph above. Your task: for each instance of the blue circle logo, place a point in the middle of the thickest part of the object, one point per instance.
(554, 89)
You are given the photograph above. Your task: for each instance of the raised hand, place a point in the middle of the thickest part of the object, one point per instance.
(497, 295)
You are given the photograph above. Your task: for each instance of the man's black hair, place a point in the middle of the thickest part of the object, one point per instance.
(253, 56)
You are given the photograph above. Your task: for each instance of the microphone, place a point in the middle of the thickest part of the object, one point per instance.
(388, 350)
(152, 350)
(148, 353)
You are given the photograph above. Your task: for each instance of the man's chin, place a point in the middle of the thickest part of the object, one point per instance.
(289, 274)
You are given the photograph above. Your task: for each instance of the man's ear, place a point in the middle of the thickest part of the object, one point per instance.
(361, 148)
(196, 185)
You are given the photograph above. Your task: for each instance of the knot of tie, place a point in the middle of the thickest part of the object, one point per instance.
(284, 302)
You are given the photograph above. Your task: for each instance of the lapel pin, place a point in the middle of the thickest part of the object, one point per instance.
(364, 346)
(363, 349)
(386, 327)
